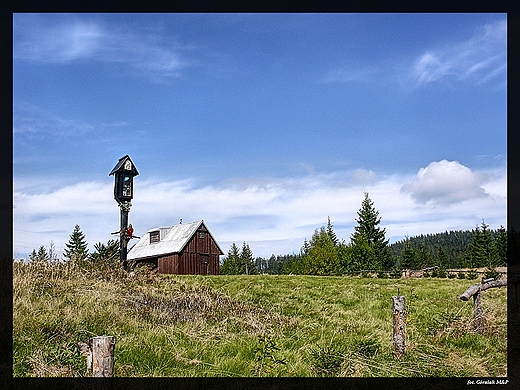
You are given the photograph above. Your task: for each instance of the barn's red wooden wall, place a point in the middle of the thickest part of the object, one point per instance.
(199, 257)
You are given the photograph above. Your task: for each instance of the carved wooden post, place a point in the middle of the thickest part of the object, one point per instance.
(399, 326)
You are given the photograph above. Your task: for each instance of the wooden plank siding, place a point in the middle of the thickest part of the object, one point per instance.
(199, 257)
(168, 264)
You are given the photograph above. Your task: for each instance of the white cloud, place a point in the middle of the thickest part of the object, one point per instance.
(480, 59)
(446, 182)
(272, 215)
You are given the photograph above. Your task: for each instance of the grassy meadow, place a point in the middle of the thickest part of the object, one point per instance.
(249, 326)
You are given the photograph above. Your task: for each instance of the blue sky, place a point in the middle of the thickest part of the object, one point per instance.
(263, 125)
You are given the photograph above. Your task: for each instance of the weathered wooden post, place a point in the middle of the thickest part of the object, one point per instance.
(399, 325)
(102, 348)
(100, 356)
(477, 312)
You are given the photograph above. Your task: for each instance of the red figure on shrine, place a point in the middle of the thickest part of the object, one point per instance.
(130, 231)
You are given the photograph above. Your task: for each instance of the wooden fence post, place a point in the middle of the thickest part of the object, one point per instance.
(399, 326)
(102, 348)
(100, 355)
(477, 312)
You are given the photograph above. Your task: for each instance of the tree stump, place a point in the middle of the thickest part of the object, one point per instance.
(399, 326)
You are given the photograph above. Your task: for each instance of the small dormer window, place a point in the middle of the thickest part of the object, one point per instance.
(154, 237)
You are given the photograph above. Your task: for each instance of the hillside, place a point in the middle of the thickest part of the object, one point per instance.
(262, 325)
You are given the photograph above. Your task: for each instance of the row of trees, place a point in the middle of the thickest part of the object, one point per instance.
(76, 249)
(478, 248)
(368, 250)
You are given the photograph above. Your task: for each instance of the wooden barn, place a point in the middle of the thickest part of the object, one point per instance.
(187, 248)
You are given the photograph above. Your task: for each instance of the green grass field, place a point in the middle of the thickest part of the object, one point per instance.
(246, 326)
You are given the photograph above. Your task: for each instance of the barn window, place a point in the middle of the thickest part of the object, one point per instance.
(154, 237)
(202, 234)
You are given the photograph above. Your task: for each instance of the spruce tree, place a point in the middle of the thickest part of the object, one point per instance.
(106, 253)
(331, 233)
(230, 265)
(443, 261)
(408, 255)
(247, 263)
(77, 248)
(500, 245)
(41, 255)
(369, 231)
(481, 248)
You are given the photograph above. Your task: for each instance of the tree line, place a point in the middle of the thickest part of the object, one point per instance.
(369, 251)
(76, 250)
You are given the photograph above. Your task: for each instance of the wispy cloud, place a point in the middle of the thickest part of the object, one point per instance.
(33, 121)
(280, 212)
(479, 59)
(78, 40)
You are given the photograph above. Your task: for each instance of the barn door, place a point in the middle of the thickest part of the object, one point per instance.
(204, 260)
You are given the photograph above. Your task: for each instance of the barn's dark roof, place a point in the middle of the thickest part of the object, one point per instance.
(172, 240)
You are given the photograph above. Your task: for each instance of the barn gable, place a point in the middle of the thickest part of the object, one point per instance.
(187, 248)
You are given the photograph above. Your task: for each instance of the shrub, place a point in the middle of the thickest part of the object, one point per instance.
(461, 275)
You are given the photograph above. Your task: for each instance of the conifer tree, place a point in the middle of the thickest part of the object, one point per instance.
(443, 260)
(322, 256)
(481, 248)
(247, 263)
(331, 233)
(369, 231)
(230, 265)
(41, 255)
(408, 255)
(77, 248)
(501, 247)
(107, 253)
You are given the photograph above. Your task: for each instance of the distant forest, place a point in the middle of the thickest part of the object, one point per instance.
(369, 251)
(456, 244)
(448, 250)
